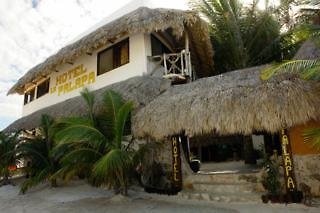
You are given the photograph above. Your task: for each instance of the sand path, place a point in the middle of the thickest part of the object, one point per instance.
(78, 197)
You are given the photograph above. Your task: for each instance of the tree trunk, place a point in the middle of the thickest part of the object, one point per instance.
(125, 190)
(248, 151)
(54, 183)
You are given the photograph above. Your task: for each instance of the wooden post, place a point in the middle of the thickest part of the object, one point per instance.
(165, 64)
(187, 56)
(186, 41)
(248, 150)
(291, 185)
(176, 163)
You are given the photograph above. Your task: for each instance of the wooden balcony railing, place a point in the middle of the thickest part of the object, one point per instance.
(174, 64)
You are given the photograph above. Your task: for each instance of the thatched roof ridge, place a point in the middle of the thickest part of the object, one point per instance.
(141, 20)
(234, 103)
(308, 50)
(141, 90)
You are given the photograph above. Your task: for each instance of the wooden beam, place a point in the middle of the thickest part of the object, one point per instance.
(112, 40)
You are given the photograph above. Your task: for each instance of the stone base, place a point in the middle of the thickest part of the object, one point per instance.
(307, 170)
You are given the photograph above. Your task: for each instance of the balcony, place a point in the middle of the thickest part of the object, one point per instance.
(174, 66)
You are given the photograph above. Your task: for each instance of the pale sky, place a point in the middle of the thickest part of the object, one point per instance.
(32, 30)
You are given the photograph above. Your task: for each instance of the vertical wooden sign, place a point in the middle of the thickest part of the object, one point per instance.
(176, 162)
(287, 162)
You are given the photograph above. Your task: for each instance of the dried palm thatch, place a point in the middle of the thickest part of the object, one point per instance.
(308, 50)
(141, 90)
(142, 20)
(234, 103)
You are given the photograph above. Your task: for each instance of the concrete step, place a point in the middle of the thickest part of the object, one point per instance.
(223, 178)
(221, 197)
(224, 188)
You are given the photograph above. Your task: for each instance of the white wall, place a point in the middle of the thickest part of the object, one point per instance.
(137, 66)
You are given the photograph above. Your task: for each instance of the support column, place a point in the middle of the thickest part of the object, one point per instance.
(176, 163)
(200, 152)
(287, 162)
(248, 150)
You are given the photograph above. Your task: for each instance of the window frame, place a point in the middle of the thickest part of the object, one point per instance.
(113, 47)
(28, 93)
(46, 92)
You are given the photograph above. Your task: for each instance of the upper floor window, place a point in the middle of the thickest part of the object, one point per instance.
(29, 96)
(43, 88)
(113, 57)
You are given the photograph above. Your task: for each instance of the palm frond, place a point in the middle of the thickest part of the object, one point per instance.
(121, 119)
(300, 67)
(111, 169)
(46, 123)
(38, 178)
(81, 155)
(35, 150)
(89, 99)
(80, 133)
(8, 154)
(312, 136)
(79, 161)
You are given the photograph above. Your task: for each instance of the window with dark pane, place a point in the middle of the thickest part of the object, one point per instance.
(43, 88)
(157, 47)
(113, 57)
(29, 96)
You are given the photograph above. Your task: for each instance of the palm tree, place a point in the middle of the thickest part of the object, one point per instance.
(95, 143)
(241, 36)
(307, 70)
(37, 151)
(8, 156)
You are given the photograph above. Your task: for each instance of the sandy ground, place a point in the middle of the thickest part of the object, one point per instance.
(79, 197)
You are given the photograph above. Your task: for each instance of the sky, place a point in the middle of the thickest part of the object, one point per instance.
(32, 30)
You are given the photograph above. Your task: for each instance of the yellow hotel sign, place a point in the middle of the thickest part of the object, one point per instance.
(176, 162)
(287, 161)
(73, 79)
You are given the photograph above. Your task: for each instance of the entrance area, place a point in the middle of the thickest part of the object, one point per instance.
(233, 153)
(229, 166)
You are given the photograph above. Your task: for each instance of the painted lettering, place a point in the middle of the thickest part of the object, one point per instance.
(287, 162)
(176, 164)
(73, 79)
(290, 183)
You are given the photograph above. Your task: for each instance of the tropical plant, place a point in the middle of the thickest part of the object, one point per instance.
(36, 150)
(241, 36)
(271, 174)
(95, 143)
(312, 135)
(8, 156)
(305, 69)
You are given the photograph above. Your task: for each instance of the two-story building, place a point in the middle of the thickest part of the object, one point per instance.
(162, 42)
(144, 51)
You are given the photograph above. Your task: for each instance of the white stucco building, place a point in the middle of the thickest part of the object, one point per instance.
(133, 41)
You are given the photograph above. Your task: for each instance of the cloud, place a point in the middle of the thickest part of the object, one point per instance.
(32, 30)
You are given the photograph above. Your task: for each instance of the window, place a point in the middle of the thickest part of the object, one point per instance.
(29, 96)
(157, 47)
(113, 57)
(43, 88)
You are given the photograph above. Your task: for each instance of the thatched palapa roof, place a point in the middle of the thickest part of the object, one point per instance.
(141, 90)
(308, 50)
(238, 102)
(142, 20)
(234, 103)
